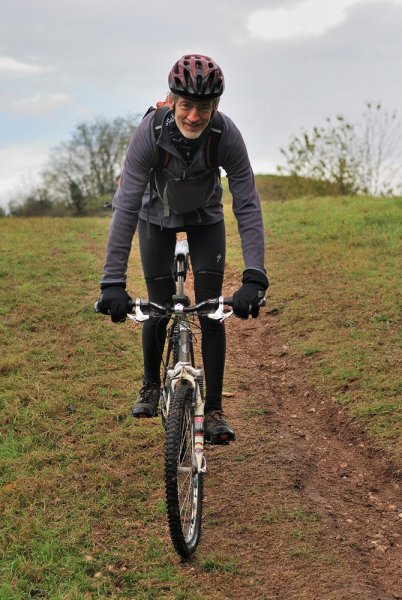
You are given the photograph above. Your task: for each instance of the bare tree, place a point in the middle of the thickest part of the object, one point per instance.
(362, 157)
(381, 151)
(86, 165)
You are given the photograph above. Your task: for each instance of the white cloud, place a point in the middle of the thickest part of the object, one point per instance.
(19, 162)
(16, 67)
(308, 18)
(41, 103)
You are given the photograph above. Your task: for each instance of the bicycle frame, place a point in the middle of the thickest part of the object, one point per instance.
(184, 370)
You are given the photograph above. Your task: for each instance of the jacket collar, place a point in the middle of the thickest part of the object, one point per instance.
(165, 141)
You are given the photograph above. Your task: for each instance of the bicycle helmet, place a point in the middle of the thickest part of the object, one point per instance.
(196, 76)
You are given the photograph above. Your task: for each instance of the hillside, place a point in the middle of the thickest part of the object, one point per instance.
(304, 506)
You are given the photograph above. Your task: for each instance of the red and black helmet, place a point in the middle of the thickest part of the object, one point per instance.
(196, 76)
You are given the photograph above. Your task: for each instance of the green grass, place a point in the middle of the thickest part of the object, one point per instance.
(212, 565)
(302, 552)
(70, 487)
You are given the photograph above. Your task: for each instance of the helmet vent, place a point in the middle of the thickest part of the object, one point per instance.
(188, 83)
(211, 82)
(199, 83)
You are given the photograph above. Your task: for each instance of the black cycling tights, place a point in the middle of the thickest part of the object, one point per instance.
(207, 245)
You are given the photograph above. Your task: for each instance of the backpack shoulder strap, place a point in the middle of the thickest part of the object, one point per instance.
(160, 113)
(212, 144)
(163, 155)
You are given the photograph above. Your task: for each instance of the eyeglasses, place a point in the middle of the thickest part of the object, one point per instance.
(200, 108)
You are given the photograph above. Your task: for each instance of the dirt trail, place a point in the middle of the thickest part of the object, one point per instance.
(297, 503)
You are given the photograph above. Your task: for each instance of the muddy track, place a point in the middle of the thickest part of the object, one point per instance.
(297, 503)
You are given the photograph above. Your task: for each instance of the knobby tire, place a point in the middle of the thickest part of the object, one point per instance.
(184, 484)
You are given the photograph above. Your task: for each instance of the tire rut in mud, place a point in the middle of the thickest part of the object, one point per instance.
(303, 511)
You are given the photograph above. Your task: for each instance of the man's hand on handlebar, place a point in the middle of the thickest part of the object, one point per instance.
(114, 301)
(250, 297)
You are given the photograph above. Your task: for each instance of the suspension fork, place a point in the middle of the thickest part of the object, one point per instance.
(185, 372)
(199, 436)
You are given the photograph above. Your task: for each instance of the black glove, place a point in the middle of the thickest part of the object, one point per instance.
(114, 301)
(247, 299)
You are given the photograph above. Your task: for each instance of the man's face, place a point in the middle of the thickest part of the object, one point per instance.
(192, 116)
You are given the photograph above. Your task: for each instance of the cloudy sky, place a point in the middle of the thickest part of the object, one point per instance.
(288, 64)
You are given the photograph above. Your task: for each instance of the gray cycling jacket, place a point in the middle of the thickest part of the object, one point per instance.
(131, 200)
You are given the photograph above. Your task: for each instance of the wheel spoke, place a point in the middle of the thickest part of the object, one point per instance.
(186, 507)
(186, 483)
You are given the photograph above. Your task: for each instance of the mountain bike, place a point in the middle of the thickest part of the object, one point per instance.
(182, 404)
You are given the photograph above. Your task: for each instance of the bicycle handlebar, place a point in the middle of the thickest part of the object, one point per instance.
(144, 309)
(168, 309)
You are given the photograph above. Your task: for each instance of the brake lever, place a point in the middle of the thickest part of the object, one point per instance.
(138, 316)
(220, 314)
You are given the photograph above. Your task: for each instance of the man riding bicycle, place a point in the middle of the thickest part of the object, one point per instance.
(184, 194)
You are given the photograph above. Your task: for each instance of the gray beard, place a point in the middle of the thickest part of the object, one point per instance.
(194, 135)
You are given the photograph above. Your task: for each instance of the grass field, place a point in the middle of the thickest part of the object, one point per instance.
(70, 460)
(336, 275)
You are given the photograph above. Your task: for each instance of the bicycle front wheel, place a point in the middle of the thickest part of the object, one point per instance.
(184, 484)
